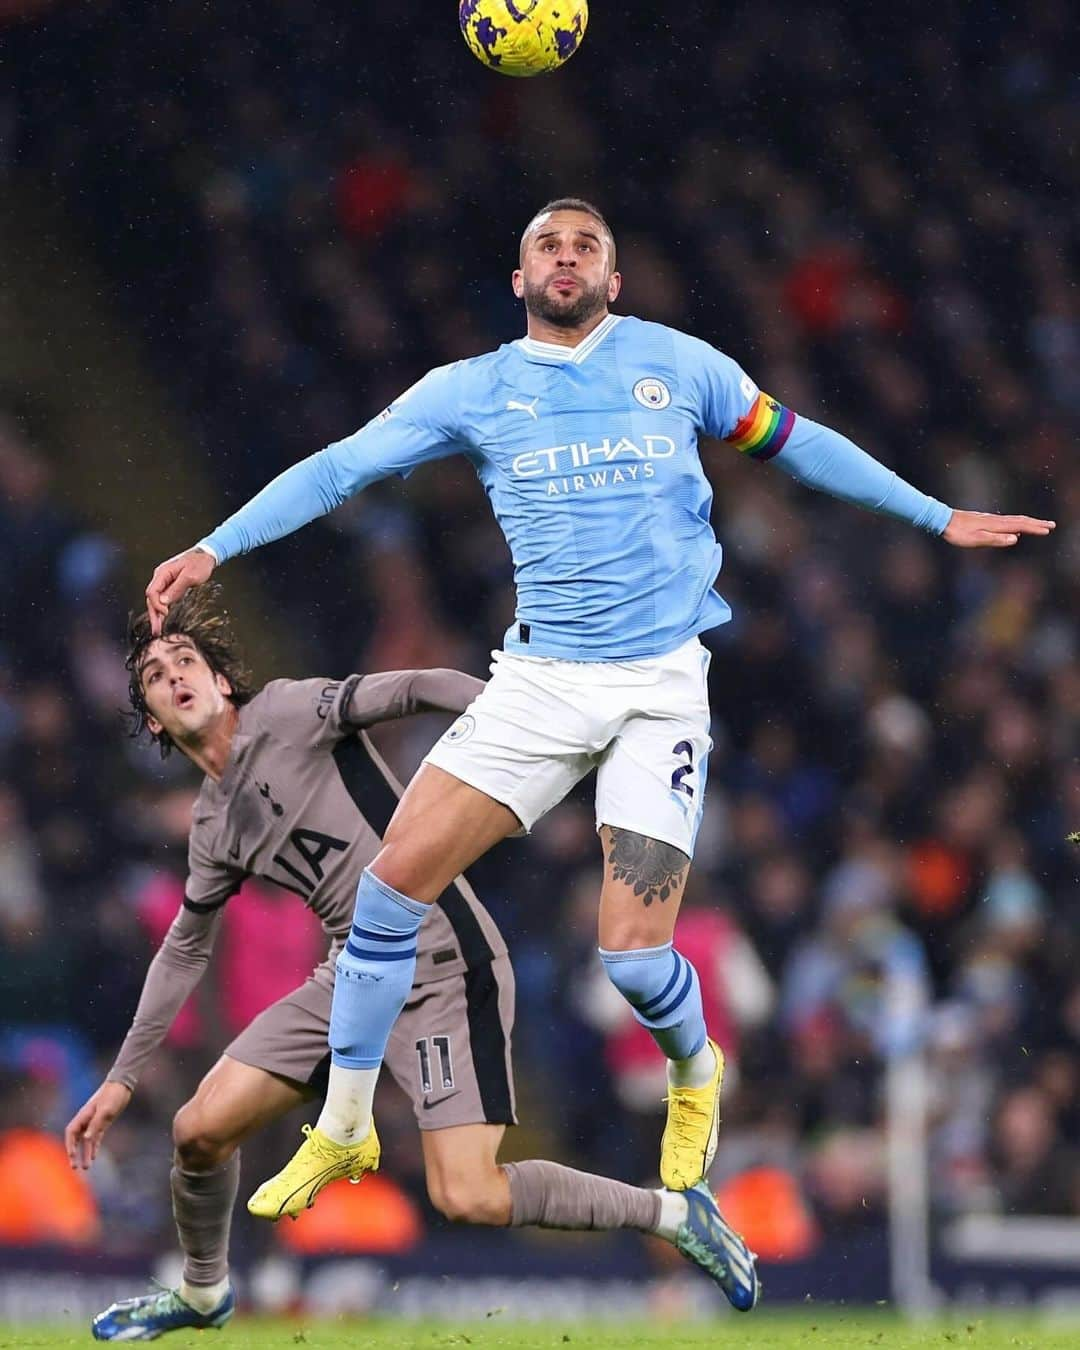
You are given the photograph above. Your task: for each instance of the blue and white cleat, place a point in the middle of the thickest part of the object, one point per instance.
(707, 1240)
(152, 1315)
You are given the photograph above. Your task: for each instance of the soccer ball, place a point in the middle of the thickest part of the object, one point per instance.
(523, 37)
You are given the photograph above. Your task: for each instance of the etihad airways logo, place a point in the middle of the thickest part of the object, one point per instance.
(624, 452)
(606, 464)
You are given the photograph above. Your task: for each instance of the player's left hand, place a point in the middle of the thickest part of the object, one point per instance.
(86, 1128)
(983, 529)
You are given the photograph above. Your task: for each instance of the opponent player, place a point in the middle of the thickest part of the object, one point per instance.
(584, 434)
(292, 786)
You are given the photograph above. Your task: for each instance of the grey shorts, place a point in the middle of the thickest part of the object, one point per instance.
(449, 1050)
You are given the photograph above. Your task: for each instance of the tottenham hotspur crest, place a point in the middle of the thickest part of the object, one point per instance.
(652, 393)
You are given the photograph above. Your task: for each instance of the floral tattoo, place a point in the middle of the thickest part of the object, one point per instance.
(655, 870)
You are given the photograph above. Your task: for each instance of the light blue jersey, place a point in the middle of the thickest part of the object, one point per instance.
(589, 456)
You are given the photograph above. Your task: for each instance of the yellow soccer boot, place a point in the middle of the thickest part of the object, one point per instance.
(315, 1164)
(693, 1124)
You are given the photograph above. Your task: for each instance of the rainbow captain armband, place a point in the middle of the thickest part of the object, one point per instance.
(764, 430)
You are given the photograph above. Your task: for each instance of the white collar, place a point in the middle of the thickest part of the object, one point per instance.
(552, 351)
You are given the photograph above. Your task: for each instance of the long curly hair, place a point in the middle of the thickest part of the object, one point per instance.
(200, 618)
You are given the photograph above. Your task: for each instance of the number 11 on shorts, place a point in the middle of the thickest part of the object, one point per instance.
(441, 1046)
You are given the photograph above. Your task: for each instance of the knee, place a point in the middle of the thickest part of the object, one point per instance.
(632, 933)
(463, 1198)
(197, 1146)
(400, 866)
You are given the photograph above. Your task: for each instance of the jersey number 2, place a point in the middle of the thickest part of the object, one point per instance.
(683, 772)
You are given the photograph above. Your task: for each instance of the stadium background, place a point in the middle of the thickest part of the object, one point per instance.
(230, 239)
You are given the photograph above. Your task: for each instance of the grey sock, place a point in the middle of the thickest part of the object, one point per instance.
(551, 1196)
(202, 1207)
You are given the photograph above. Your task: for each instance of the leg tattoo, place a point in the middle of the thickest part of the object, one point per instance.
(655, 870)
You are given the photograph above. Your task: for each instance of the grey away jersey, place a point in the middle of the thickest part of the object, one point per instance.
(302, 803)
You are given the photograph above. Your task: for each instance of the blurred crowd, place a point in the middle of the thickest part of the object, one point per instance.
(876, 217)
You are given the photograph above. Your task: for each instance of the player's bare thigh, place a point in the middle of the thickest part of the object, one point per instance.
(464, 1180)
(233, 1101)
(441, 826)
(644, 881)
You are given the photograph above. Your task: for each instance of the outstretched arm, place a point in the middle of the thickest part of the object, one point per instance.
(824, 459)
(294, 498)
(732, 407)
(421, 425)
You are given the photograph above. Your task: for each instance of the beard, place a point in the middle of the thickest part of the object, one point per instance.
(562, 311)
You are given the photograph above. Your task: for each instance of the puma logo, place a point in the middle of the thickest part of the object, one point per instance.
(512, 405)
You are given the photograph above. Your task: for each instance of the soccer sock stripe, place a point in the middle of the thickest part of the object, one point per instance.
(370, 935)
(370, 987)
(362, 954)
(663, 990)
(676, 970)
(684, 989)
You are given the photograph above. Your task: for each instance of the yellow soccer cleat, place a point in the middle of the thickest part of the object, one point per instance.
(315, 1164)
(693, 1123)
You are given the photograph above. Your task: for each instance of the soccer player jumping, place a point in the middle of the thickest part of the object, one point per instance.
(295, 793)
(584, 433)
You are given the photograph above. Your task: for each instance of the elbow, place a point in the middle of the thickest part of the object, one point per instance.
(466, 689)
(443, 690)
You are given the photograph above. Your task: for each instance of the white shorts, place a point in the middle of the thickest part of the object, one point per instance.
(542, 723)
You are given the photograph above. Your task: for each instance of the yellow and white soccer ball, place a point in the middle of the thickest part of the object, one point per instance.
(523, 37)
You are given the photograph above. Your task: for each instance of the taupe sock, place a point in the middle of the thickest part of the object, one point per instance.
(551, 1196)
(202, 1207)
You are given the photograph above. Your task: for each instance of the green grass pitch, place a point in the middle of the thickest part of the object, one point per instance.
(828, 1329)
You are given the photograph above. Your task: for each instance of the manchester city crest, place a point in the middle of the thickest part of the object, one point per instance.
(462, 729)
(652, 393)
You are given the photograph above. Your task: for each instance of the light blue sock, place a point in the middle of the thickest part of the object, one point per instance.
(374, 973)
(664, 992)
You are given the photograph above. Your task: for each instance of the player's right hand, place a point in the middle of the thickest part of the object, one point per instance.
(87, 1126)
(172, 579)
